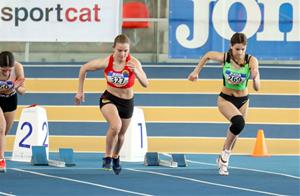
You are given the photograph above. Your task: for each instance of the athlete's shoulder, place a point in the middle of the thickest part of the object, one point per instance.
(134, 60)
(18, 64)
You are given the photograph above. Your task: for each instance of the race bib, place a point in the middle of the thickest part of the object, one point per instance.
(235, 78)
(118, 79)
(6, 85)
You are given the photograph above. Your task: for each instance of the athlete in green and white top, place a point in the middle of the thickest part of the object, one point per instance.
(233, 100)
(236, 79)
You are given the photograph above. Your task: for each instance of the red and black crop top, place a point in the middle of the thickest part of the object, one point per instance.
(119, 79)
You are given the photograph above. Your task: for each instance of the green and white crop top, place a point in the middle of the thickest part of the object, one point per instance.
(236, 79)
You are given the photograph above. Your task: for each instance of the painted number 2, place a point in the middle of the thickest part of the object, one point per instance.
(23, 143)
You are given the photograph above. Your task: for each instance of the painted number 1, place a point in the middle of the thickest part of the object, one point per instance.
(141, 129)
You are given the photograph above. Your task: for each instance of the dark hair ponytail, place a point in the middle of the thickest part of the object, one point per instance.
(7, 59)
(237, 38)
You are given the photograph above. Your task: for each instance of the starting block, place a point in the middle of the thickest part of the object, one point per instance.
(180, 159)
(66, 155)
(39, 157)
(152, 159)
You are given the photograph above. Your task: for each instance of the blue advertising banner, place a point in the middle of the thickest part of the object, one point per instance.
(272, 27)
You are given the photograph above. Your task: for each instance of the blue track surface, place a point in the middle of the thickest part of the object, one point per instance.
(249, 176)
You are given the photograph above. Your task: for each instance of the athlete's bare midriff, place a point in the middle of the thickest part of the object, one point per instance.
(235, 93)
(123, 93)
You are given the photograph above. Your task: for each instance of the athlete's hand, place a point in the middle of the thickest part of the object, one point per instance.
(79, 97)
(132, 67)
(193, 76)
(19, 83)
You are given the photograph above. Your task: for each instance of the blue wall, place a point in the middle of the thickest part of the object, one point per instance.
(237, 16)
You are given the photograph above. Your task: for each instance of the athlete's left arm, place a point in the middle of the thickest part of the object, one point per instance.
(255, 73)
(136, 67)
(20, 78)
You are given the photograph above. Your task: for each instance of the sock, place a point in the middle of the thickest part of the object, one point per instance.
(225, 155)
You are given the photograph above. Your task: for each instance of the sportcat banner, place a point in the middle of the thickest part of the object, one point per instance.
(272, 27)
(60, 20)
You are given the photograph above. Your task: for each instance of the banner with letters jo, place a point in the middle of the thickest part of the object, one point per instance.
(60, 20)
(272, 27)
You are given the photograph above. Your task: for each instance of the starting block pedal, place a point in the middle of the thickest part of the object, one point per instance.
(168, 163)
(152, 159)
(66, 155)
(180, 159)
(39, 156)
(55, 163)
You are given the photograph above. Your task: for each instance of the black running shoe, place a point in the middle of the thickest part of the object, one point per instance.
(106, 163)
(116, 165)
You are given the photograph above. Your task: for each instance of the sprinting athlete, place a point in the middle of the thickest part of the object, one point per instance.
(233, 101)
(11, 83)
(117, 101)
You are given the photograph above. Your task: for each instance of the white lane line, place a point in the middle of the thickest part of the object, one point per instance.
(80, 181)
(6, 194)
(248, 169)
(205, 182)
(242, 168)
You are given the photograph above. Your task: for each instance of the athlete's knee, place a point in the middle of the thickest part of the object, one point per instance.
(238, 124)
(115, 127)
(2, 130)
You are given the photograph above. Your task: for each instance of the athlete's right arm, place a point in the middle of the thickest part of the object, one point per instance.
(216, 56)
(92, 65)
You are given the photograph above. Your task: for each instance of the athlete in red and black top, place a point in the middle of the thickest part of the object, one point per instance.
(117, 102)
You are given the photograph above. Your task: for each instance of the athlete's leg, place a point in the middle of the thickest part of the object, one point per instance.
(231, 113)
(236, 118)
(2, 133)
(111, 115)
(121, 136)
(9, 117)
(243, 111)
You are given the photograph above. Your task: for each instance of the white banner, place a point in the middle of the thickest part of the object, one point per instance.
(60, 20)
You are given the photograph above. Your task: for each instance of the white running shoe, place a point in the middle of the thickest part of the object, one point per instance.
(222, 166)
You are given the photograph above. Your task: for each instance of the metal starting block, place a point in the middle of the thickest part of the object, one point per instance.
(39, 157)
(180, 159)
(153, 159)
(66, 155)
